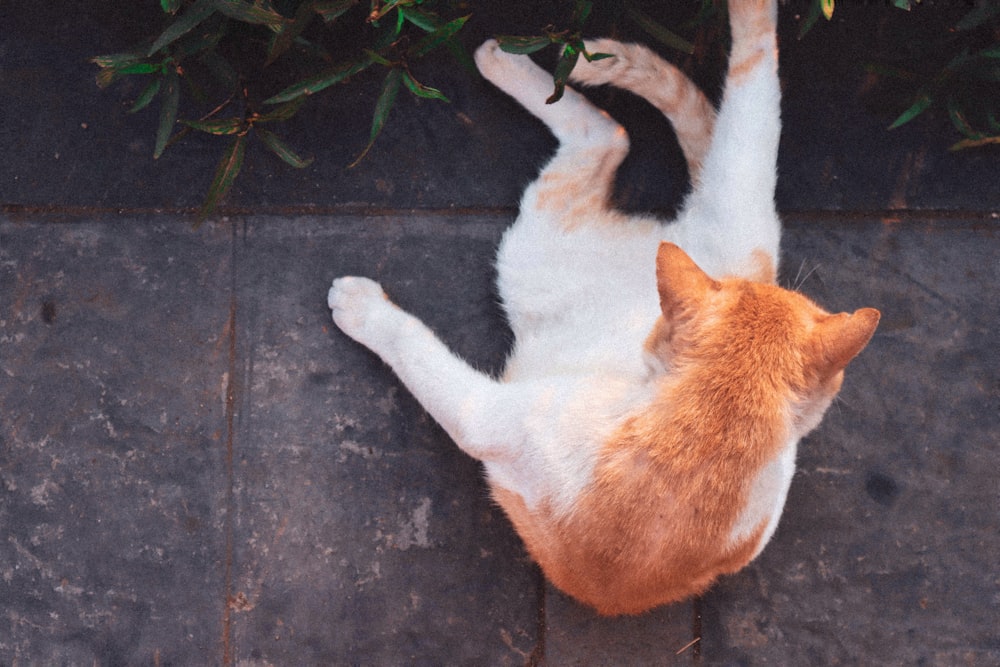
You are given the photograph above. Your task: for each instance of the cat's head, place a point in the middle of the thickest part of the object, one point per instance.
(769, 341)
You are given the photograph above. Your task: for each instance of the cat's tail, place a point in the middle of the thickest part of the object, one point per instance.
(637, 69)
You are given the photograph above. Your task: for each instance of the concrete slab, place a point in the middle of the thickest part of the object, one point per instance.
(576, 635)
(364, 535)
(113, 367)
(886, 551)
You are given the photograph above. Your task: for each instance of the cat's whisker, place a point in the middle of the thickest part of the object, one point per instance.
(799, 283)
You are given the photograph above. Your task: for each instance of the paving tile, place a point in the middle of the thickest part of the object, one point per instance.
(112, 447)
(886, 553)
(365, 536)
(576, 635)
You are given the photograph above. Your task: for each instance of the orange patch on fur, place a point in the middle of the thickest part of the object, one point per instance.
(575, 196)
(655, 524)
(766, 272)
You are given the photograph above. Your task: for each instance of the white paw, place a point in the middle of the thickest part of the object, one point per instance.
(357, 304)
(490, 58)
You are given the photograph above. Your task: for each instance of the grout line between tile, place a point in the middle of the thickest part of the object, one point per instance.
(537, 656)
(71, 213)
(230, 502)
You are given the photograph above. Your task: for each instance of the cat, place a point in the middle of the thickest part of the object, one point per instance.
(642, 436)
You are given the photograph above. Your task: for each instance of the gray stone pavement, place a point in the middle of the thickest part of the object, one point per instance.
(197, 468)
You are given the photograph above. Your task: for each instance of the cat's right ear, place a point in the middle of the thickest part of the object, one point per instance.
(839, 338)
(682, 285)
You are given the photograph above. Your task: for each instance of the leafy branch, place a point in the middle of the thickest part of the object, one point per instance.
(570, 41)
(201, 33)
(967, 84)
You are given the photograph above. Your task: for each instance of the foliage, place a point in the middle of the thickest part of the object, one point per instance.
(958, 69)
(203, 35)
(570, 40)
(220, 52)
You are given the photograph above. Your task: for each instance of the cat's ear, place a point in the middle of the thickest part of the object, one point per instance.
(683, 286)
(839, 338)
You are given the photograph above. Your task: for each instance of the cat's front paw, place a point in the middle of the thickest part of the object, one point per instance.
(358, 305)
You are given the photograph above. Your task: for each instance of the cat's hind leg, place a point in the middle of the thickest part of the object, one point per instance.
(579, 178)
(729, 225)
(636, 68)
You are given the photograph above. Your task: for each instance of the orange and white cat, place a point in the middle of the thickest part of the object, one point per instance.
(642, 437)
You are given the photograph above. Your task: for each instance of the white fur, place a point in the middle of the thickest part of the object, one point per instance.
(582, 299)
(767, 498)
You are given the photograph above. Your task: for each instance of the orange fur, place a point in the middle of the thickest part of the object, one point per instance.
(654, 525)
(751, 24)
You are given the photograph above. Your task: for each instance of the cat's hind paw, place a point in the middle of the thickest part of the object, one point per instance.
(358, 306)
(602, 70)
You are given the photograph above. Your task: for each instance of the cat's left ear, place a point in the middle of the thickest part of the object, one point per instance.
(682, 285)
(839, 338)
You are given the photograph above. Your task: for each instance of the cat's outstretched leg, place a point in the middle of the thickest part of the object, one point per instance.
(729, 225)
(635, 68)
(579, 178)
(467, 403)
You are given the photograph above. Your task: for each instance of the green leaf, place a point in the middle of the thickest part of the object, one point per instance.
(581, 11)
(378, 58)
(290, 31)
(993, 52)
(420, 90)
(194, 15)
(400, 20)
(282, 113)
(147, 95)
(656, 30)
(140, 68)
(561, 75)
(221, 70)
(111, 73)
(426, 21)
(815, 10)
(902, 4)
(980, 14)
(116, 60)
(523, 45)
(386, 99)
(333, 9)
(225, 173)
(198, 41)
(219, 126)
(319, 82)
(591, 57)
(168, 112)
(432, 40)
(250, 12)
(170, 6)
(917, 108)
(958, 120)
(974, 143)
(380, 12)
(281, 149)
